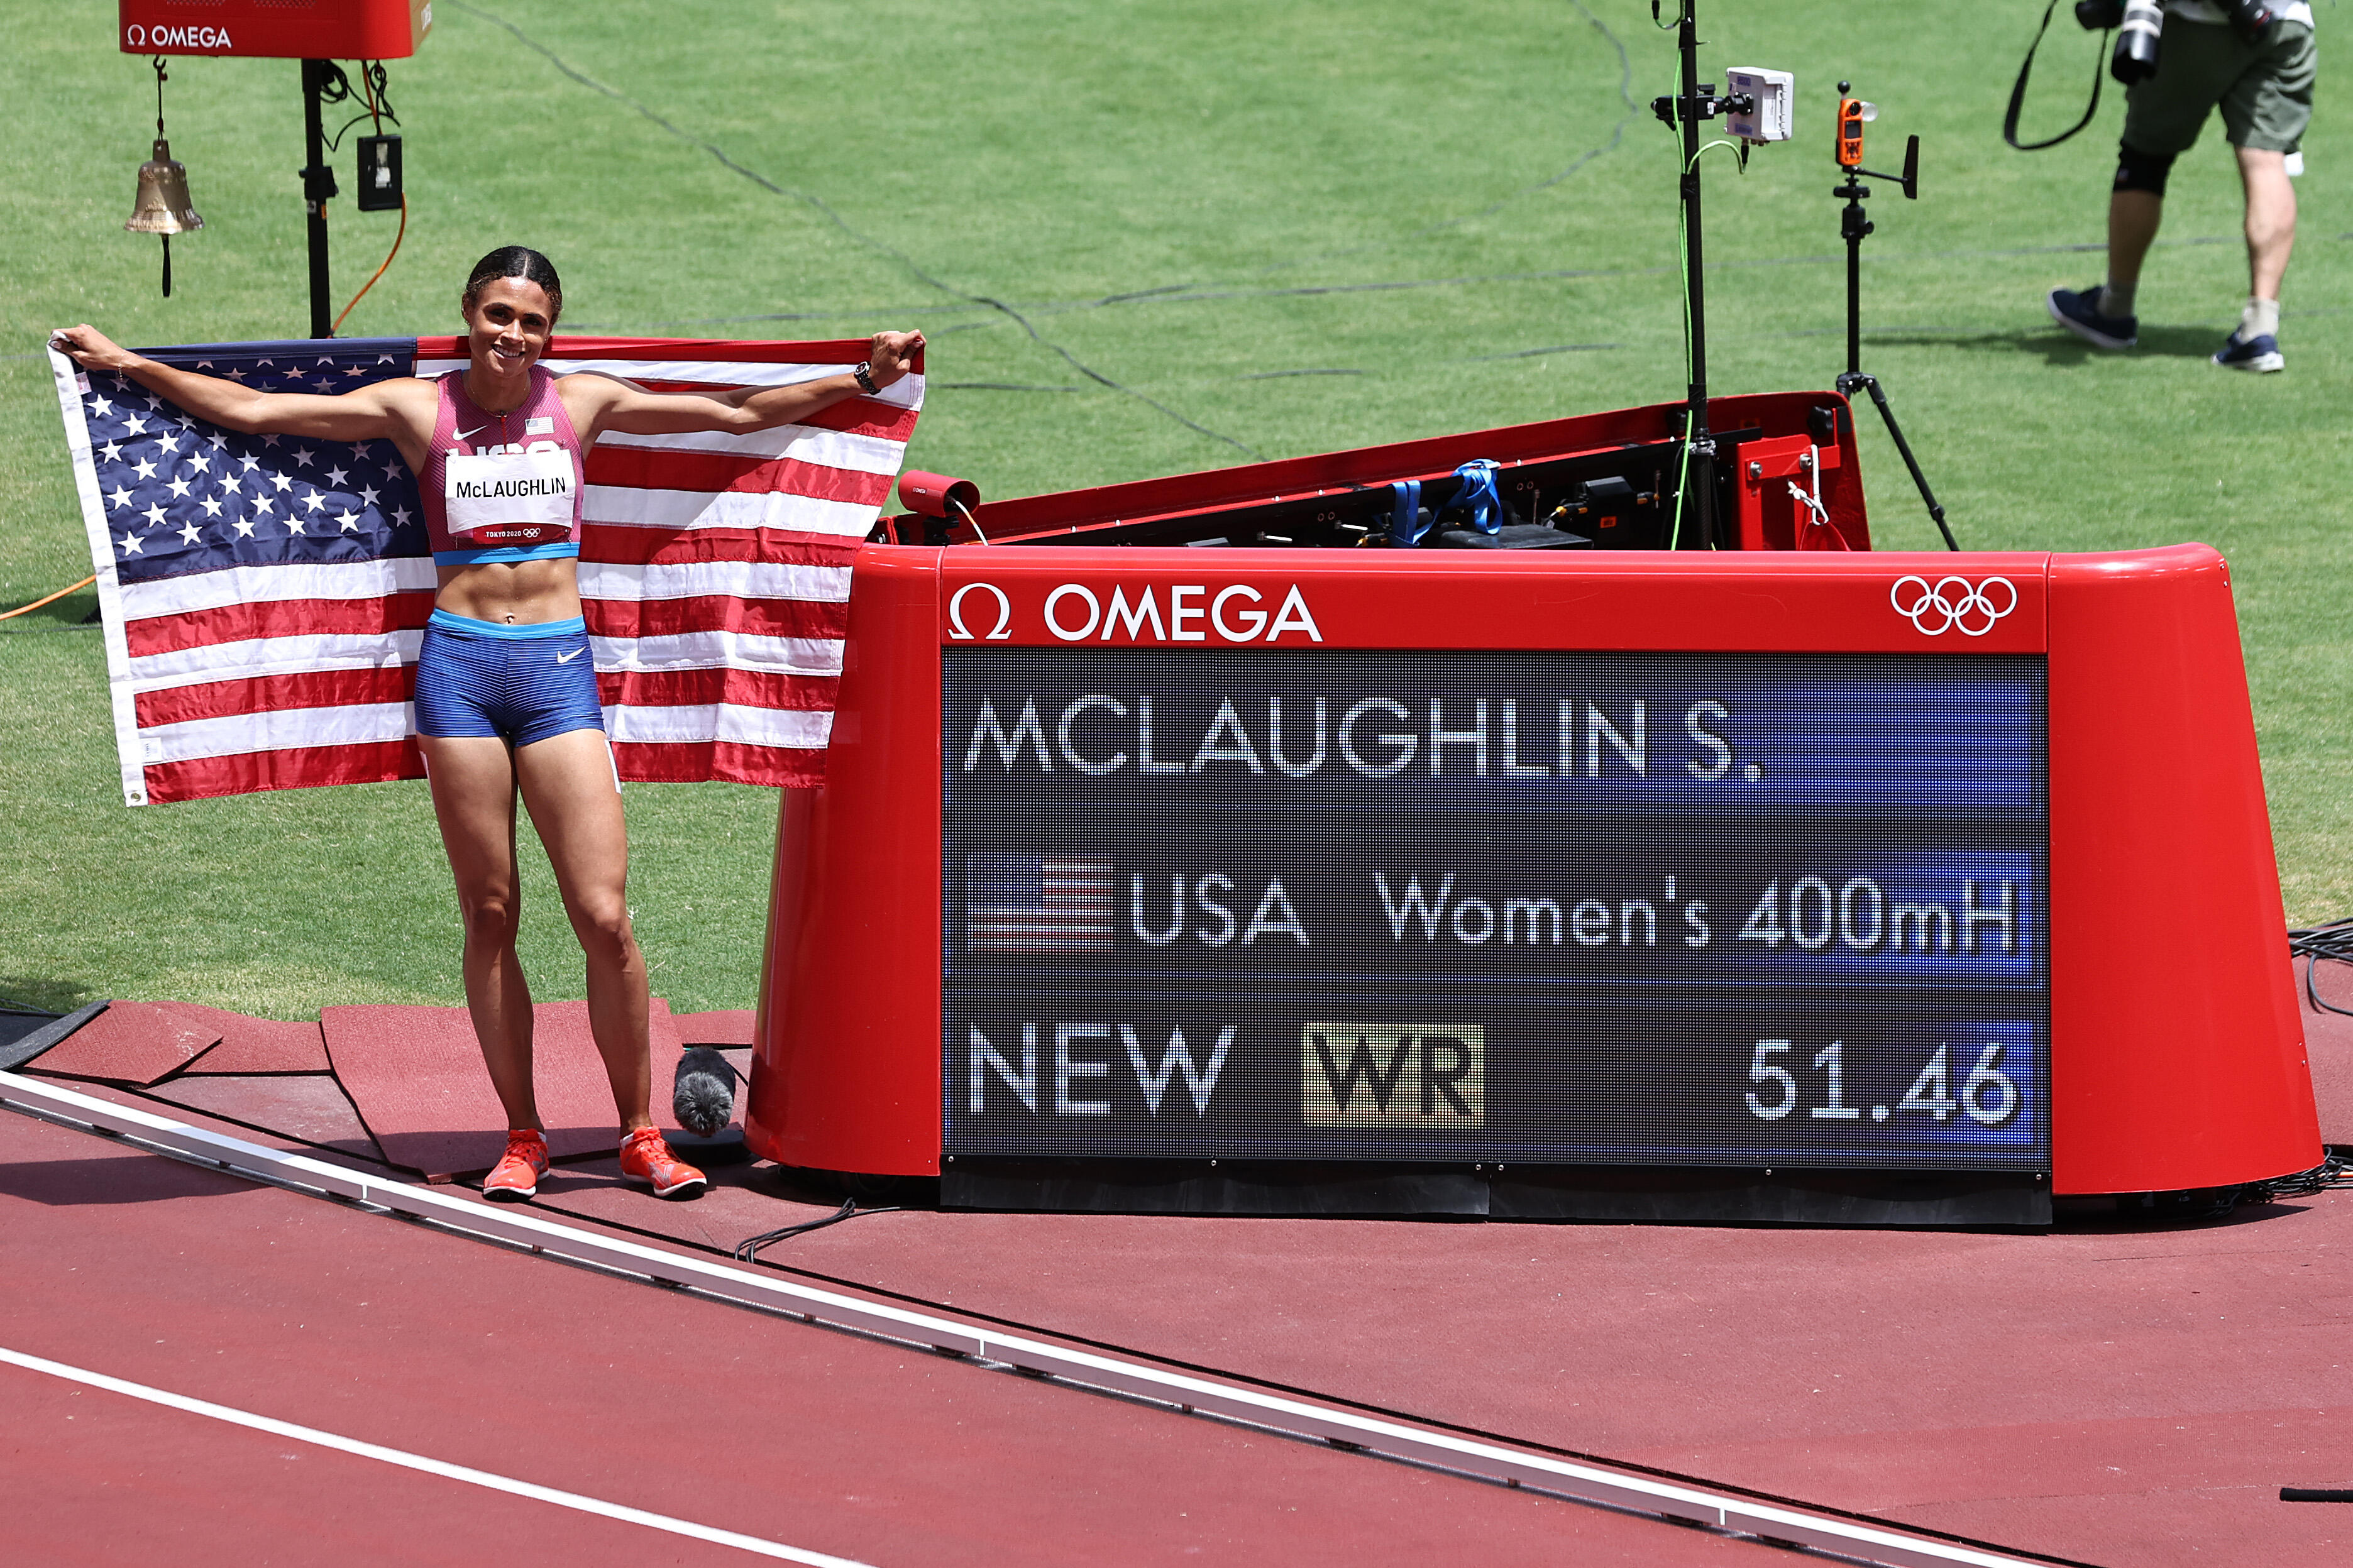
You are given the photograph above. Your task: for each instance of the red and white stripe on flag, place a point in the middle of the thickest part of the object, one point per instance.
(263, 596)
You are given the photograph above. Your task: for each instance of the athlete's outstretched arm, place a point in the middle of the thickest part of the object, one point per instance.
(624, 405)
(368, 414)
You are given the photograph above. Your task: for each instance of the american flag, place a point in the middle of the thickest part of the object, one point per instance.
(1038, 903)
(263, 595)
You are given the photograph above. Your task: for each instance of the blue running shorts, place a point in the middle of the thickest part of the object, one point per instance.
(519, 684)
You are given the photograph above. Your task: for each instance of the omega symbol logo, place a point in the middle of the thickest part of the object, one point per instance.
(1954, 603)
(962, 633)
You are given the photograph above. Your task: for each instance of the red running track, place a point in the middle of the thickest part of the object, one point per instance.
(2122, 1396)
(182, 1280)
(2120, 1393)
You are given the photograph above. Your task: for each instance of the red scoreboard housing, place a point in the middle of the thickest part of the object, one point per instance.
(2000, 808)
(276, 29)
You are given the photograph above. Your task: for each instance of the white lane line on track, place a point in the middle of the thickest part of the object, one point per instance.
(1300, 1415)
(442, 1467)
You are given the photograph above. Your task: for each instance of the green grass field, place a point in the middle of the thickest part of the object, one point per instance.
(1294, 228)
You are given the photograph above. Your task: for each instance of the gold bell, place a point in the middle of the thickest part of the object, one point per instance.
(163, 206)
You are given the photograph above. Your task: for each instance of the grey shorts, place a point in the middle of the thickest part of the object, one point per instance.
(2264, 89)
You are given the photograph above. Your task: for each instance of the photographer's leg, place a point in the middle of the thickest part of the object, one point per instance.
(2271, 221)
(2136, 208)
(2103, 316)
(2265, 114)
(2132, 219)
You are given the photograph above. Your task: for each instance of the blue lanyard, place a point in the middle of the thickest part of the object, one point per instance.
(1474, 492)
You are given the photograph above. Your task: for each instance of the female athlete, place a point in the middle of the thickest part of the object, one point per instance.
(506, 695)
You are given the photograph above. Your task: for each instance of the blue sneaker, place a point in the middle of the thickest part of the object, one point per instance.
(2260, 354)
(2080, 314)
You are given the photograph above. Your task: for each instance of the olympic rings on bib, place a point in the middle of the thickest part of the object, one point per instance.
(1954, 603)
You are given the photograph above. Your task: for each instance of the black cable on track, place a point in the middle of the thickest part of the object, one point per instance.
(748, 1249)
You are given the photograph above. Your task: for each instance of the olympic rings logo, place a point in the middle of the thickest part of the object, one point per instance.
(1953, 603)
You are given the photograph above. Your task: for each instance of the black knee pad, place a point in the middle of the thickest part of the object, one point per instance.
(2139, 170)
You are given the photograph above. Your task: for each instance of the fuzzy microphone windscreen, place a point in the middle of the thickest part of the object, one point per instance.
(703, 1099)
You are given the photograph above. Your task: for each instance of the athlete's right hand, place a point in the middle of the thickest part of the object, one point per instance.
(92, 349)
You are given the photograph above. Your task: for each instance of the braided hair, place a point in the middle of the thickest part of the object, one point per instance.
(517, 261)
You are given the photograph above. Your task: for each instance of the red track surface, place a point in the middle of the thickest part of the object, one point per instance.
(153, 1271)
(135, 1042)
(2118, 1393)
(415, 1074)
(2124, 1398)
(251, 1045)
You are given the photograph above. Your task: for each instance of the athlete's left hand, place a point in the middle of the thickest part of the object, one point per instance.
(891, 356)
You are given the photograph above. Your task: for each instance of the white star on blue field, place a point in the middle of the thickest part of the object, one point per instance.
(183, 496)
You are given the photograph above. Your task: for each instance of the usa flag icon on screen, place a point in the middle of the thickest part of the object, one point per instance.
(1037, 903)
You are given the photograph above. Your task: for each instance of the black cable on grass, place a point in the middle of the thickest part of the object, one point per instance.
(1097, 376)
(689, 136)
(1183, 294)
(1189, 292)
(863, 313)
(748, 1249)
(1184, 290)
(851, 229)
(2312, 944)
(1617, 135)
(1539, 353)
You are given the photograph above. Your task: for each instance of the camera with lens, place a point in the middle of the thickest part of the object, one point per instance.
(2141, 24)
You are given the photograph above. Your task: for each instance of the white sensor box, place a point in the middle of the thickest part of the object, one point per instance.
(1774, 94)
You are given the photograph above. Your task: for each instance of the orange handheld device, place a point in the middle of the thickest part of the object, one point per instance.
(1852, 115)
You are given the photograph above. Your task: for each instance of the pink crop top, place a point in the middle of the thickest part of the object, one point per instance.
(501, 487)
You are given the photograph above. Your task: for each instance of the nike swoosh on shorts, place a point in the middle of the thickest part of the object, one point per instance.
(568, 657)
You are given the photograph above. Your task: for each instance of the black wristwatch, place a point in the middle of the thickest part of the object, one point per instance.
(864, 372)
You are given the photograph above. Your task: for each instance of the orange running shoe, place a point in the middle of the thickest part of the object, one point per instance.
(516, 1176)
(646, 1158)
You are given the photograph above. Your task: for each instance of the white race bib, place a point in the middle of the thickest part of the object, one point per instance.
(510, 498)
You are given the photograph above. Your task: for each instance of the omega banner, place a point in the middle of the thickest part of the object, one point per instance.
(1304, 903)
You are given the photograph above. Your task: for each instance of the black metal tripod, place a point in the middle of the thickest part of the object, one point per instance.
(1682, 111)
(1853, 226)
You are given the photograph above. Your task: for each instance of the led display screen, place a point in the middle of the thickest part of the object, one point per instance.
(1553, 909)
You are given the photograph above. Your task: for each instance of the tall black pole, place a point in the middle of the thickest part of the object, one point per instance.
(1687, 41)
(318, 185)
(1701, 451)
(1853, 226)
